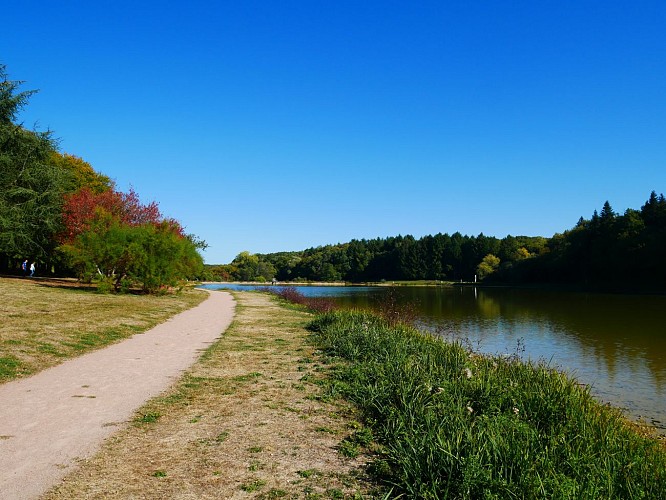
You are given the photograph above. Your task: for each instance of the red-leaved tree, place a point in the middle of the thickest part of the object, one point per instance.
(81, 207)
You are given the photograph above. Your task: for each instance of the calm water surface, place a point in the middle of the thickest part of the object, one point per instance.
(614, 343)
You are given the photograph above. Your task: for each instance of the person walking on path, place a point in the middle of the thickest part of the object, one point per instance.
(24, 267)
(62, 414)
(32, 269)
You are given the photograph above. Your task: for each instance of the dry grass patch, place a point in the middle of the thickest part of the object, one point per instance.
(244, 422)
(47, 321)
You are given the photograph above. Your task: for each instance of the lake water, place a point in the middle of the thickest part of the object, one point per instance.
(616, 344)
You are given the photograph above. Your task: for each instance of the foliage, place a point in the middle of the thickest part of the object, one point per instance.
(608, 250)
(248, 267)
(81, 173)
(11, 101)
(220, 272)
(489, 264)
(454, 424)
(80, 208)
(439, 257)
(31, 187)
(152, 255)
(112, 237)
(49, 199)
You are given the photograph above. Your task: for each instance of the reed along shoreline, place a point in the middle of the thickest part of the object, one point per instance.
(452, 423)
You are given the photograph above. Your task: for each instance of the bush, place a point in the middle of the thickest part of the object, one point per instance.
(149, 256)
(105, 284)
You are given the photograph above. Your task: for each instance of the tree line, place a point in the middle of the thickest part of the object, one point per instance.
(452, 257)
(609, 250)
(58, 212)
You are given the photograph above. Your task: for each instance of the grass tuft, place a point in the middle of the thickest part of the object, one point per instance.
(253, 486)
(147, 418)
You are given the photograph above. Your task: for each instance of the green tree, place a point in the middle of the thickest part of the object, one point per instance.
(164, 256)
(31, 187)
(265, 271)
(358, 257)
(247, 265)
(654, 210)
(607, 212)
(152, 256)
(488, 265)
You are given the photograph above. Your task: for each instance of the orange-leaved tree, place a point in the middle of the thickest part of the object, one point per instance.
(81, 173)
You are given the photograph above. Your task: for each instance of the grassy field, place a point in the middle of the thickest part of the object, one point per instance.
(247, 421)
(47, 321)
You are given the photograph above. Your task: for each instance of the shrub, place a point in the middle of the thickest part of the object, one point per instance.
(315, 304)
(151, 256)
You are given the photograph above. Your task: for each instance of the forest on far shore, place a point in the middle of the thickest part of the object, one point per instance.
(608, 250)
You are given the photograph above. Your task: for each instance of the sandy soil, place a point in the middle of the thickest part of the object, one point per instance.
(50, 421)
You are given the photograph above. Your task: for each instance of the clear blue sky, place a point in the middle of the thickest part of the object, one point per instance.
(280, 125)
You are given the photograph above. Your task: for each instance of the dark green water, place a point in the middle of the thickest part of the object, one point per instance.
(616, 344)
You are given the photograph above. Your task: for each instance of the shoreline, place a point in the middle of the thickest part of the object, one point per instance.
(452, 284)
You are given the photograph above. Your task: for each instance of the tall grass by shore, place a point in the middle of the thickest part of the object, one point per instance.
(454, 424)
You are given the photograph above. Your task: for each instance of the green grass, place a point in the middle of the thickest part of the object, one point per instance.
(255, 466)
(253, 486)
(248, 377)
(454, 424)
(10, 367)
(147, 418)
(275, 493)
(308, 473)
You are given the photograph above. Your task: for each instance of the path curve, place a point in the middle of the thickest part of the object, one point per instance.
(62, 414)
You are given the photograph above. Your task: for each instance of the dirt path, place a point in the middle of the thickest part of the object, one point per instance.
(51, 420)
(248, 420)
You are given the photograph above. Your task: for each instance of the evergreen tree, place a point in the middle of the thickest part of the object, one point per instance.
(31, 187)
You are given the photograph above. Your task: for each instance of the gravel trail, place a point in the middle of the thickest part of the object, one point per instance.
(62, 414)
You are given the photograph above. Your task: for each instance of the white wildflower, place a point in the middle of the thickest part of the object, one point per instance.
(467, 372)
